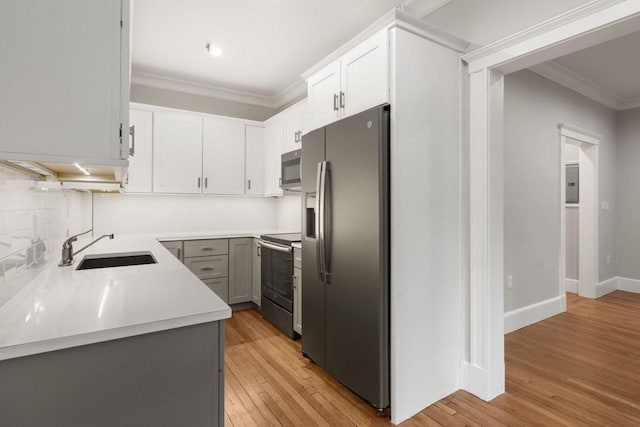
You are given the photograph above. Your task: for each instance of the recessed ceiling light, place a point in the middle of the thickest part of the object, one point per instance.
(214, 50)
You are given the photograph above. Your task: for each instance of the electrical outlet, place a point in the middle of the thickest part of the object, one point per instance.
(509, 281)
(605, 206)
(608, 259)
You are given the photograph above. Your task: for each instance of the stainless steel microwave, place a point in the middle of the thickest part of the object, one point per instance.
(291, 174)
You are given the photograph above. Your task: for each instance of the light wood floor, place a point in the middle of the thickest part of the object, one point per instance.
(579, 368)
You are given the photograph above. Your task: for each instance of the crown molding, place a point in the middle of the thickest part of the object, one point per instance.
(502, 50)
(577, 83)
(291, 95)
(584, 86)
(630, 103)
(396, 18)
(294, 91)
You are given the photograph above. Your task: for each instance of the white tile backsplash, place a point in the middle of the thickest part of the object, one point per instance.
(33, 225)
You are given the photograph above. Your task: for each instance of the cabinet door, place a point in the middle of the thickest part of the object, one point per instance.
(323, 88)
(291, 129)
(140, 171)
(256, 273)
(63, 80)
(365, 75)
(177, 153)
(269, 156)
(223, 156)
(254, 140)
(240, 267)
(297, 300)
(272, 159)
(175, 247)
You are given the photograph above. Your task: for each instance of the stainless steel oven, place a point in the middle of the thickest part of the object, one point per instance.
(291, 175)
(277, 280)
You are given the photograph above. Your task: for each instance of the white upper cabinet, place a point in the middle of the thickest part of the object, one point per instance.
(177, 153)
(65, 81)
(365, 76)
(323, 91)
(273, 146)
(359, 80)
(223, 156)
(140, 163)
(255, 145)
(294, 120)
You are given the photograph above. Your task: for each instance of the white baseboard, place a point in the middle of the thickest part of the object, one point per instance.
(571, 285)
(629, 285)
(534, 313)
(607, 286)
(477, 381)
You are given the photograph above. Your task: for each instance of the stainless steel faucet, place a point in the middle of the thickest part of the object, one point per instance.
(67, 248)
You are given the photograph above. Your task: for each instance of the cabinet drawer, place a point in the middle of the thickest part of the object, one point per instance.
(220, 287)
(206, 247)
(208, 267)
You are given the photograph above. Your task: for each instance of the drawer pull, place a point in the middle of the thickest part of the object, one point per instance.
(207, 249)
(206, 269)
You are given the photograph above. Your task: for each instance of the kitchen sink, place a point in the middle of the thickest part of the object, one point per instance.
(120, 259)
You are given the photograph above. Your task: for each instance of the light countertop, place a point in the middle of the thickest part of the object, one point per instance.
(62, 307)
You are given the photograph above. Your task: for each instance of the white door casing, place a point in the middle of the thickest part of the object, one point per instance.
(587, 142)
(589, 25)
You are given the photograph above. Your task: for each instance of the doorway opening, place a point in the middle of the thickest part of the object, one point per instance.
(578, 211)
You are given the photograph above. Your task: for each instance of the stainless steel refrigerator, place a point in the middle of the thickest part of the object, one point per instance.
(345, 252)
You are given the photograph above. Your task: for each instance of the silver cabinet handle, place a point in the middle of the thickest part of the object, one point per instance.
(295, 282)
(179, 253)
(249, 184)
(206, 269)
(132, 134)
(207, 249)
(199, 182)
(342, 96)
(335, 102)
(280, 182)
(206, 182)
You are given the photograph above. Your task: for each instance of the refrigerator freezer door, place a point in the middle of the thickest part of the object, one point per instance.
(313, 291)
(356, 239)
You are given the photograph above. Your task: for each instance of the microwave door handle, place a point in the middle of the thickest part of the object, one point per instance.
(318, 209)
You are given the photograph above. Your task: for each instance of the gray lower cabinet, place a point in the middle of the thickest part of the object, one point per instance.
(175, 247)
(209, 260)
(146, 380)
(229, 267)
(297, 290)
(220, 286)
(256, 275)
(240, 270)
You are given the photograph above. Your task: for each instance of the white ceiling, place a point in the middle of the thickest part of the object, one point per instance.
(608, 73)
(267, 44)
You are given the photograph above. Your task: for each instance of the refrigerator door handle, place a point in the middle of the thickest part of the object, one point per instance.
(326, 223)
(318, 220)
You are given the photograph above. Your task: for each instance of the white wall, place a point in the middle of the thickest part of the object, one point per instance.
(289, 213)
(30, 217)
(481, 22)
(158, 214)
(534, 106)
(627, 209)
(202, 104)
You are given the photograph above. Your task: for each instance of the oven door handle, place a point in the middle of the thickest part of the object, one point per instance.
(275, 247)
